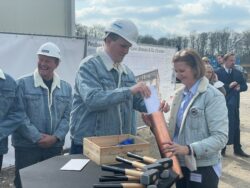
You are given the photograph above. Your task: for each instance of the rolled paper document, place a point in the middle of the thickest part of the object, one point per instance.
(159, 128)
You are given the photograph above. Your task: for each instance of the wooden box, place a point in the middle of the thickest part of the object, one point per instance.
(104, 149)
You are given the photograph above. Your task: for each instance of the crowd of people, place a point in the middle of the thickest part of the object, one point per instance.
(40, 108)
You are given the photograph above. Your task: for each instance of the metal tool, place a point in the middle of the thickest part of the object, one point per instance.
(119, 178)
(123, 185)
(139, 165)
(146, 178)
(165, 162)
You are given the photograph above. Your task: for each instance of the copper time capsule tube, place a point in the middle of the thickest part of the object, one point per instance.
(159, 129)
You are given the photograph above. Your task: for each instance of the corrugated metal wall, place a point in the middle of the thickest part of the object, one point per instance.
(43, 17)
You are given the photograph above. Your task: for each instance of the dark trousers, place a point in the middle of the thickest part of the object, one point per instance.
(237, 145)
(207, 175)
(234, 127)
(76, 148)
(25, 157)
(1, 162)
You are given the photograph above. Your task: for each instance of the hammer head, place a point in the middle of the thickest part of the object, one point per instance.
(152, 186)
(156, 166)
(150, 177)
(165, 162)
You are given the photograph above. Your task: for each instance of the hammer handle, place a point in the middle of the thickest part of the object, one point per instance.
(135, 156)
(142, 158)
(122, 170)
(149, 159)
(133, 173)
(133, 163)
(118, 178)
(120, 159)
(122, 185)
(113, 169)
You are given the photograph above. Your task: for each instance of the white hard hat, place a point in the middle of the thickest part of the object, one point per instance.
(124, 28)
(49, 49)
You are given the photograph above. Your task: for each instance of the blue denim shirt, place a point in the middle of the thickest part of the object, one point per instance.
(11, 114)
(101, 104)
(46, 112)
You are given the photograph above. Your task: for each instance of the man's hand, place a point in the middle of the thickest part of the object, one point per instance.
(146, 119)
(47, 141)
(141, 88)
(233, 84)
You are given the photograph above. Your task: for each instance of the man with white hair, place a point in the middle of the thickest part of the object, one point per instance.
(46, 100)
(106, 93)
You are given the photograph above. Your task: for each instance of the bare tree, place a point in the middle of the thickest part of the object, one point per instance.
(147, 39)
(207, 44)
(193, 39)
(96, 31)
(202, 43)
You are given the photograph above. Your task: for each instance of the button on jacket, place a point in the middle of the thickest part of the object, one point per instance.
(103, 103)
(11, 114)
(45, 112)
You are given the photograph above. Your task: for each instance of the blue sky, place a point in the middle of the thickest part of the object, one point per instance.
(160, 18)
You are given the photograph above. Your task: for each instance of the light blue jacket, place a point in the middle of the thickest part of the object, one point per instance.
(11, 114)
(205, 123)
(101, 107)
(45, 112)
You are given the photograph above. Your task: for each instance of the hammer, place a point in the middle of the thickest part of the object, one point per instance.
(123, 185)
(139, 165)
(119, 178)
(146, 178)
(166, 163)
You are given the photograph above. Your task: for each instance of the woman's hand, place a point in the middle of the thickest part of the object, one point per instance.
(164, 107)
(174, 148)
(215, 77)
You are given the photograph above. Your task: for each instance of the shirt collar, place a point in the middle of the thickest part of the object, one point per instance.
(109, 63)
(2, 76)
(193, 89)
(227, 69)
(38, 81)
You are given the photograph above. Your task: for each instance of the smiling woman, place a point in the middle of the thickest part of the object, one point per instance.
(198, 124)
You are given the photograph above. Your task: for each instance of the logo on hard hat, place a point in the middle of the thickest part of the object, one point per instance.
(45, 51)
(120, 27)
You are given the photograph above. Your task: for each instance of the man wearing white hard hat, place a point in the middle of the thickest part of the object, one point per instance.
(47, 103)
(106, 93)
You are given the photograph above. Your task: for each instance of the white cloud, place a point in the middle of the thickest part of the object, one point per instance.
(174, 17)
(192, 8)
(233, 2)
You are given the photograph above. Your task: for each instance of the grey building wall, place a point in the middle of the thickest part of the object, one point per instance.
(44, 17)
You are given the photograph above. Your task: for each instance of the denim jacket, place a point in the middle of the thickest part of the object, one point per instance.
(101, 104)
(11, 114)
(205, 123)
(46, 112)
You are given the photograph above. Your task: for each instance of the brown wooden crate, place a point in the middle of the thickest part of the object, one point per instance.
(104, 149)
